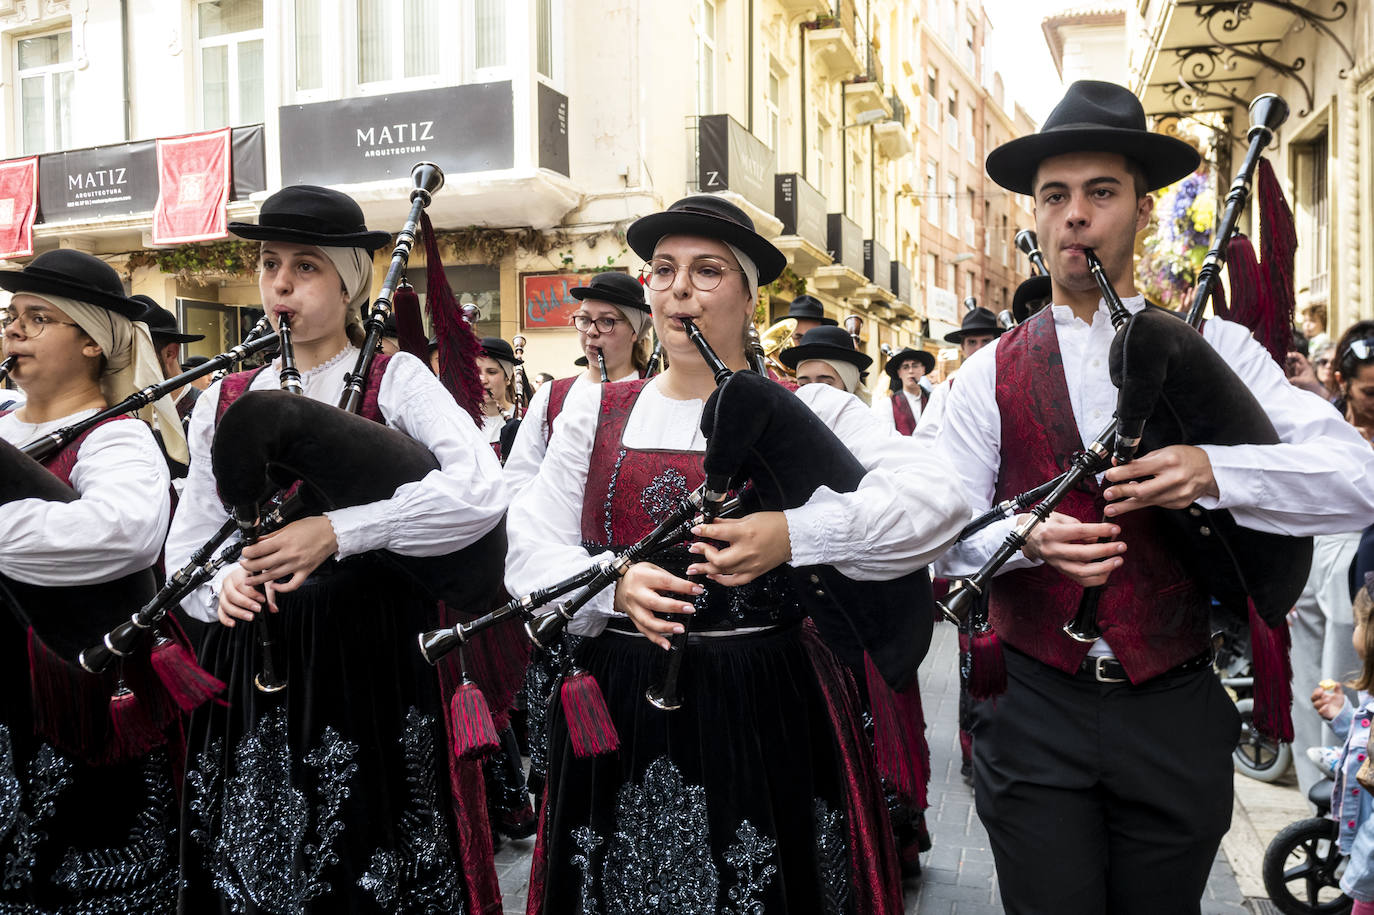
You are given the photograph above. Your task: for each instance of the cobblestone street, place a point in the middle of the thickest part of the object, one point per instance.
(959, 877)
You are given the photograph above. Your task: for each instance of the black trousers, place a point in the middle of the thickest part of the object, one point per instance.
(1104, 798)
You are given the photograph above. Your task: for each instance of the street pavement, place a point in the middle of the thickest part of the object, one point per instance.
(958, 874)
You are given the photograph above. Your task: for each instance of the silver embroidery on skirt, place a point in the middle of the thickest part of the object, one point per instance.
(832, 853)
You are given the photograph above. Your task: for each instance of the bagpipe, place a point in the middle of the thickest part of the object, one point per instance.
(1173, 388)
(278, 457)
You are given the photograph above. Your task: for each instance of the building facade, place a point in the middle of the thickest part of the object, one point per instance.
(556, 122)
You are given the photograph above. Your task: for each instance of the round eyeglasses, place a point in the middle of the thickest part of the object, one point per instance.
(31, 325)
(604, 324)
(704, 274)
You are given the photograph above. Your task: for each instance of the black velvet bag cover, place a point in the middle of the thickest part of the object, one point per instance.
(66, 619)
(1169, 375)
(268, 440)
(760, 432)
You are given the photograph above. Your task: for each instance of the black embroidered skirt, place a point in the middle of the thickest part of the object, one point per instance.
(739, 801)
(333, 794)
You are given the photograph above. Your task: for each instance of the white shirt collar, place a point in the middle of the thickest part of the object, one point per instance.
(1063, 314)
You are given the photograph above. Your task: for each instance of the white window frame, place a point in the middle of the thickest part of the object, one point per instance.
(820, 150)
(772, 110)
(556, 78)
(476, 74)
(50, 142)
(707, 41)
(931, 204)
(232, 40)
(446, 12)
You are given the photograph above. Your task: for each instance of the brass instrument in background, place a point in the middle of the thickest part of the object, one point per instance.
(772, 340)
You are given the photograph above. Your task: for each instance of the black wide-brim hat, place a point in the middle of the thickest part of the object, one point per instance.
(1093, 116)
(809, 308)
(305, 214)
(194, 362)
(74, 274)
(499, 349)
(827, 343)
(708, 216)
(162, 324)
(614, 288)
(978, 322)
(1035, 289)
(894, 362)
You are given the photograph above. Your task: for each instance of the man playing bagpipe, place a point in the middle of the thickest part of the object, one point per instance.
(1103, 775)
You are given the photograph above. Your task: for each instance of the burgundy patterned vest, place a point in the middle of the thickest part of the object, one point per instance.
(629, 491)
(236, 385)
(902, 417)
(63, 462)
(1152, 613)
(558, 394)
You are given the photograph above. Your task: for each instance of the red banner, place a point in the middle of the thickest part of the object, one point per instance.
(548, 303)
(18, 206)
(193, 188)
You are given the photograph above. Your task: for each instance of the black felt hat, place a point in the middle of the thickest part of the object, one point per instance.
(305, 214)
(162, 324)
(1031, 291)
(615, 288)
(809, 308)
(826, 343)
(497, 348)
(194, 362)
(708, 216)
(74, 274)
(1093, 116)
(977, 322)
(894, 362)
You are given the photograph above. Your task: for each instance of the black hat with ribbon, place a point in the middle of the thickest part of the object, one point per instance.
(894, 362)
(305, 214)
(977, 322)
(809, 308)
(828, 344)
(74, 274)
(1093, 116)
(708, 216)
(162, 324)
(614, 288)
(1034, 291)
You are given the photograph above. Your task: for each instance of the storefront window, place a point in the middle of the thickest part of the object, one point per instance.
(472, 284)
(224, 326)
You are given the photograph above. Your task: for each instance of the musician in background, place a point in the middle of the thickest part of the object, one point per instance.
(91, 823)
(809, 313)
(979, 328)
(1104, 773)
(203, 382)
(162, 324)
(826, 355)
(908, 396)
(612, 321)
(330, 795)
(496, 368)
(750, 768)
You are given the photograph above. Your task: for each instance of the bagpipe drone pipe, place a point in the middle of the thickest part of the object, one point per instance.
(268, 440)
(758, 432)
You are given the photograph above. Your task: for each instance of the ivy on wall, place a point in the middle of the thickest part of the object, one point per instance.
(234, 258)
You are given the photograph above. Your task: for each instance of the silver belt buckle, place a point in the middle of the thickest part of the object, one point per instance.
(1099, 666)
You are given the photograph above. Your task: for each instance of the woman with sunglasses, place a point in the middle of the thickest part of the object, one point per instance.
(89, 815)
(758, 794)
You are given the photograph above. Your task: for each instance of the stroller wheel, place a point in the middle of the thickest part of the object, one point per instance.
(1257, 756)
(1302, 869)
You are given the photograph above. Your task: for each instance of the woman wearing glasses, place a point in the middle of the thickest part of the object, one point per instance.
(758, 794)
(89, 812)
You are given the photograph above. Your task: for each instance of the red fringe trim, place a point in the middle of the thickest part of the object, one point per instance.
(1273, 670)
(187, 683)
(135, 734)
(899, 746)
(987, 666)
(410, 327)
(458, 345)
(590, 727)
(470, 721)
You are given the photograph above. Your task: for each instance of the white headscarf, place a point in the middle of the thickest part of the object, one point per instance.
(848, 372)
(751, 271)
(355, 270)
(131, 364)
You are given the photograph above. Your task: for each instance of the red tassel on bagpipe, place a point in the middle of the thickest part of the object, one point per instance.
(474, 734)
(410, 327)
(189, 684)
(1273, 673)
(458, 345)
(987, 675)
(135, 733)
(590, 727)
(1278, 246)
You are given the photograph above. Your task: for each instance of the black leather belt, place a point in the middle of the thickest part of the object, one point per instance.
(1109, 670)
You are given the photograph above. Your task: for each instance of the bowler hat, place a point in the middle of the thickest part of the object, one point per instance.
(194, 362)
(809, 307)
(978, 322)
(614, 288)
(894, 362)
(500, 350)
(708, 216)
(74, 274)
(305, 214)
(1034, 291)
(826, 343)
(162, 324)
(1093, 116)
